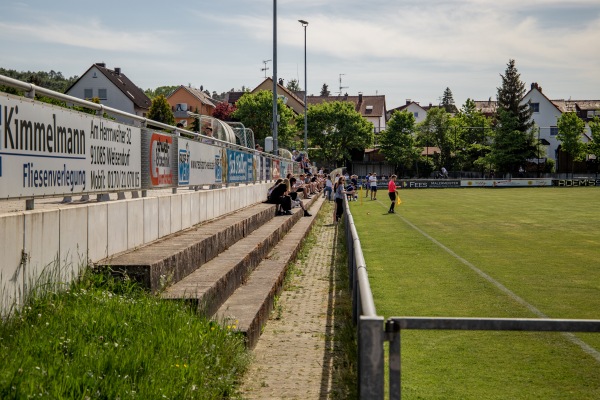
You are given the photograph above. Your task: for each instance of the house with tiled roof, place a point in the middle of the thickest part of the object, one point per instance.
(413, 107)
(290, 98)
(487, 107)
(186, 99)
(372, 108)
(546, 113)
(113, 88)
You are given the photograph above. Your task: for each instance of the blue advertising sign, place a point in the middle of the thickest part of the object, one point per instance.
(239, 166)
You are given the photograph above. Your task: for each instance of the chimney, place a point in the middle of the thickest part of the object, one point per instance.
(359, 97)
(408, 101)
(103, 65)
(118, 71)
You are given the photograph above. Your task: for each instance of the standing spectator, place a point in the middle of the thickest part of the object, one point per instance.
(444, 173)
(305, 164)
(339, 195)
(367, 184)
(392, 192)
(373, 184)
(328, 188)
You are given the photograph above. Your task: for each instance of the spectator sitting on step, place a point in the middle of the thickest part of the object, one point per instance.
(304, 186)
(279, 195)
(270, 190)
(314, 185)
(299, 187)
(294, 195)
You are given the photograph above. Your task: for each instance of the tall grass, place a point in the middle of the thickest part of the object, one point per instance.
(539, 243)
(106, 338)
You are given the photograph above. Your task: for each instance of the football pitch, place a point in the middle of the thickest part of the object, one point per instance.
(505, 253)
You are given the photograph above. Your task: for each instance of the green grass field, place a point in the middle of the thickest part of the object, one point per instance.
(541, 244)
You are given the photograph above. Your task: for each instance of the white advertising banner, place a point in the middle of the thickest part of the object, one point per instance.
(506, 182)
(48, 150)
(199, 163)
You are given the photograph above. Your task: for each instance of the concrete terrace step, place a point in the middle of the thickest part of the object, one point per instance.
(172, 258)
(249, 306)
(212, 283)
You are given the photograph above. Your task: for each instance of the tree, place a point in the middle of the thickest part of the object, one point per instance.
(514, 140)
(397, 141)
(570, 130)
(473, 130)
(435, 132)
(223, 111)
(448, 101)
(164, 90)
(324, 90)
(293, 85)
(594, 144)
(255, 111)
(50, 80)
(160, 111)
(196, 124)
(336, 128)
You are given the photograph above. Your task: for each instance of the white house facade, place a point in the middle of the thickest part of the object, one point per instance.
(113, 89)
(546, 113)
(412, 107)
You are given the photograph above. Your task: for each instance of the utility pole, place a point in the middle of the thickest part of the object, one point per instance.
(275, 116)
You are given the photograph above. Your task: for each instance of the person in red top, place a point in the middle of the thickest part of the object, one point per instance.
(392, 193)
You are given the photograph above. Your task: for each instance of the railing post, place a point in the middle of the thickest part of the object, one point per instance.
(370, 358)
(392, 331)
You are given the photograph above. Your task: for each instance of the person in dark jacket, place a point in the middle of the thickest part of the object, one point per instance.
(279, 195)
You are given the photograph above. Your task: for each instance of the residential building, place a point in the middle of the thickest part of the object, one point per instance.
(372, 108)
(113, 88)
(546, 113)
(187, 99)
(412, 107)
(289, 97)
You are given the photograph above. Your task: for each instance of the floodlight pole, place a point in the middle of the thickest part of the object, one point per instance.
(305, 24)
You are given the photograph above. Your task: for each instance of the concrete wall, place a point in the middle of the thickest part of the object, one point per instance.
(58, 243)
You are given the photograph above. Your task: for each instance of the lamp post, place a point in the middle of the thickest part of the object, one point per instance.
(304, 25)
(275, 145)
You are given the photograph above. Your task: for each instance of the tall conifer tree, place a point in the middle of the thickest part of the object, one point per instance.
(514, 141)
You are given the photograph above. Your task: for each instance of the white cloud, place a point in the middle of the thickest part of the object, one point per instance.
(91, 35)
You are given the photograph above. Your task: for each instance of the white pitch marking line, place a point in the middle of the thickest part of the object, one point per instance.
(570, 336)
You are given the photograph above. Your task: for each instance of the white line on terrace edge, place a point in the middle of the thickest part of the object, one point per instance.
(570, 336)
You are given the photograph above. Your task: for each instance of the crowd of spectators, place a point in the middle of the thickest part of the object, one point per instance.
(289, 192)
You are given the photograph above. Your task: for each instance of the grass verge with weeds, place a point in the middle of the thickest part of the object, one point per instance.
(107, 338)
(345, 356)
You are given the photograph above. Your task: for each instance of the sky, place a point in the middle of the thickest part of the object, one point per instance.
(400, 49)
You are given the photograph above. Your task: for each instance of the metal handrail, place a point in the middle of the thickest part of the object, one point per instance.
(32, 89)
(394, 325)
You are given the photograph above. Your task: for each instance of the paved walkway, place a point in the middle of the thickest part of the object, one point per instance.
(294, 357)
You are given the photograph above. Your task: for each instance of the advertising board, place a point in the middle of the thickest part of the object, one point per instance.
(48, 150)
(198, 163)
